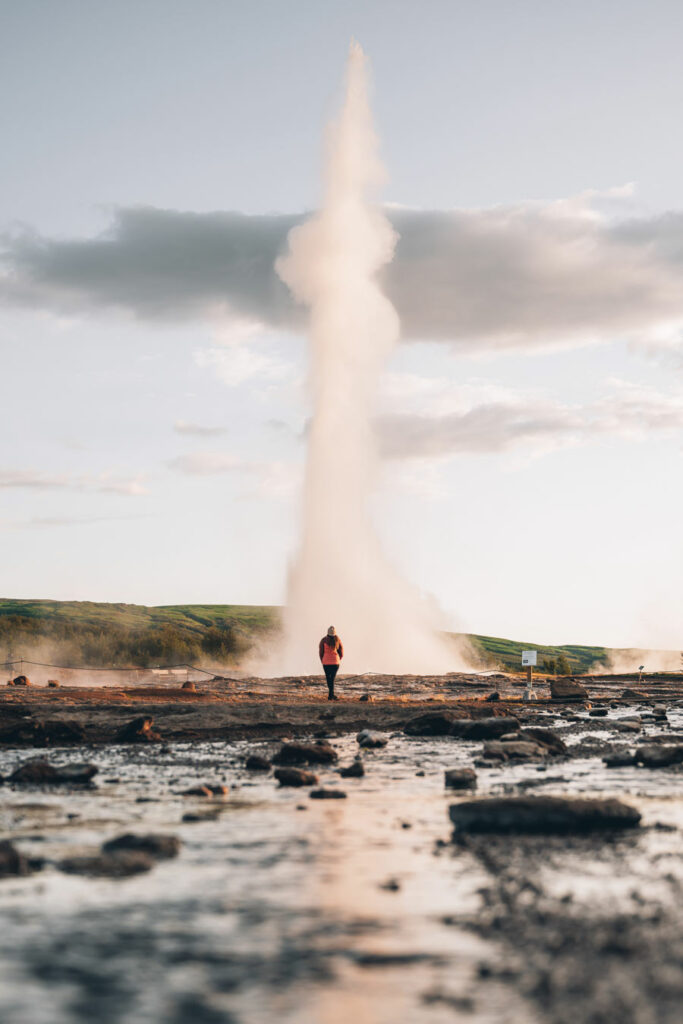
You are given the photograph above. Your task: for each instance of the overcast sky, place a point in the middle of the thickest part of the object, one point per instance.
(155, 155)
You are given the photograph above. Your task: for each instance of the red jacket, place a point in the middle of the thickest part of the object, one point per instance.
(330, 650)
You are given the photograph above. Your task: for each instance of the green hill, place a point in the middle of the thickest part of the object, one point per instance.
(88, 633)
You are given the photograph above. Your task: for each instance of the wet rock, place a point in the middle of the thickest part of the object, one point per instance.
(197, 791)
(542, 815)
(597, 713)
(484, 728)
(121, 864)
(547, 738)
(196, 816)
(627, 725)
(28, 732)
(461, 778)
(327, 794)
(619, 759)
(161, 847)
(305, 753)
(355, 770)
(189, 686)
(492, 697)
(53, 683)
(21, 681)
(12, 863)
(39, 772)
(139, 730)
(437, 723)
(371, 740)
(257, 763)
(513, 750)
(295, 777)
(630, 694)
(365, 697)
(567, 689)
(655, 755)
(391, 885)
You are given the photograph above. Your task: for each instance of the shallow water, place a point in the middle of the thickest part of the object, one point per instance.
(276, 913)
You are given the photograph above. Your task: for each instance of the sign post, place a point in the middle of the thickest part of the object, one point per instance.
(529, 659)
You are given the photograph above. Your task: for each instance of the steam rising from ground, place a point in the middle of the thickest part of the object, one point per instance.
(340, 575)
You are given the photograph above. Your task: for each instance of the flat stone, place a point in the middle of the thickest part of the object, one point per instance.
(436, 723)
(355, 770)
(484, 728)
(295, 777)
(619, 759)
(567, 689)
(460, 778)
(542, 815)
(121, 864)
(162, 847)
(305, 753)
(39, 772)
(597, 713)
(327, 794)
(514, 750)
(627, 725)
(545, 738)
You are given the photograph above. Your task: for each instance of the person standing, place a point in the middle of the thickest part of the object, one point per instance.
(331, 652)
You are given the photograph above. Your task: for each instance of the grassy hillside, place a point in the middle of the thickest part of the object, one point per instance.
(110, 635)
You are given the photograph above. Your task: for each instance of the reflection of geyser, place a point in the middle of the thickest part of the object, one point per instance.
(340, 575)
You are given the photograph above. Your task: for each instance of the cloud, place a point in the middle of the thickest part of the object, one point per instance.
(520, 276)
(197, 429)
(205, 463)
(525, 421)
(105, 483)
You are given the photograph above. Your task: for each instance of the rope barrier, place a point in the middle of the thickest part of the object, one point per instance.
(84, 668)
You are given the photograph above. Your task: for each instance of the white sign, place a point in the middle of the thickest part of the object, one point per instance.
(529, 657)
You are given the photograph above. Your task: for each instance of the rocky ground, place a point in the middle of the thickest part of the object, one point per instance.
(459, 858)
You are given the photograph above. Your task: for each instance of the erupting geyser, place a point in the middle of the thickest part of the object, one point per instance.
(340, 574)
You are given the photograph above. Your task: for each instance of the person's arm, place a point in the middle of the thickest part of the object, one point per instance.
(321, 649)
(341, 650)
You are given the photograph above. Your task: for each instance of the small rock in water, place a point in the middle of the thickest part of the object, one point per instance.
(139, 730)
(542, 815)
(40, 772)
(295, 777)
(627, 725)
(619, 759)
(567, 689)
(305, 753)
(495, 696)
(391, 885)
(257, 763)
(516, 750)
(103, 865)
(11, 861)
(461, 778)
(545, 738)
(371, 740)
(197, 791)
(436, 723)
(327, 794)
(162, 847)
(53, 683)
(355, 770)
(597, 713)
(365, 697)
(484, 728)
(654, 755)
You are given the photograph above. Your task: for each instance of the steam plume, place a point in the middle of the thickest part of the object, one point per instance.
(340, 575)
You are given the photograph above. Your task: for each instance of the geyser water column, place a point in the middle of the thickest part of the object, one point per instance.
(340, 575)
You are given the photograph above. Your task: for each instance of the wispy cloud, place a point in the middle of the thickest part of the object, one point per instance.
(197, 429)
(523, 276)
(106, 482)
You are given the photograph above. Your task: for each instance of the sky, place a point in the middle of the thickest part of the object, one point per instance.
(155, 156)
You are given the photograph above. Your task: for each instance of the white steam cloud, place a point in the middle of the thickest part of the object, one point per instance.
(340, 575)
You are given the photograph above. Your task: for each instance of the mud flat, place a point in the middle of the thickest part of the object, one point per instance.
(175, 878)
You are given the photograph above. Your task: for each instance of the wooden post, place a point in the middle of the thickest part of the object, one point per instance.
(529, 670)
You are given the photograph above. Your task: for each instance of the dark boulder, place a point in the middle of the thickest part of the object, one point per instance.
(38, 772)
(295, 777)
(327, 794)
(492, 697)
(139, 730)
(365, 697)
(257, 763)
(305, 753)
(189, 686)
(161, 847)
(565, 688)
(435, 723)
(619, 759)
(355, 770)
(11, 861)
(21, 681)
(201, 790)
(542, 815)
(54, 684)
(597, 713)
(655, 755)
(484, 728)
(461, 778)
(121, 864)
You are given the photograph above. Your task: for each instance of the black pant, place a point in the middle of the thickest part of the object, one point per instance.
(330, 673)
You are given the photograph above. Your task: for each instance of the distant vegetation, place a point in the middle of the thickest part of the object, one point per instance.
(85, 633)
